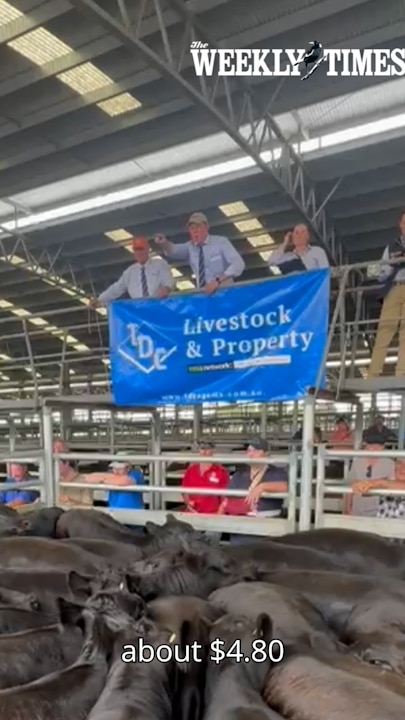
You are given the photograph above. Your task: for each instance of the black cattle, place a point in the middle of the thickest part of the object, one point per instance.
(375, 630)
(303, 687)
(110, 550)
(266, 556)
(234, 688)
(11, 523)
(294, 619)
(377, 553)
(71, 585)
(71, 693)
(34, 553)
(17, 599)
(334, 594)
(30, 654)
(173, 614)
(42, 522)
(182, 572)
(92, 524)
(153, 690)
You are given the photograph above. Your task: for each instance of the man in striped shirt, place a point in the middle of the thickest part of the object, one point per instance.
(213, 259)
(146, 278)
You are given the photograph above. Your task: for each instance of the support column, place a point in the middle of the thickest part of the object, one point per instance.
(358, 428)
(295, 418)
(49, 479)
(157, 472)
(66, 412)
(263, 420)
(197, 423)
(401, 428)
(307, 463)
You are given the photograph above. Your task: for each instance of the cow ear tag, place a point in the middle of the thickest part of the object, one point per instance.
(172, 638)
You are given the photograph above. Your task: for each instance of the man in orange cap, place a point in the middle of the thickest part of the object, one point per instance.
(146, 277)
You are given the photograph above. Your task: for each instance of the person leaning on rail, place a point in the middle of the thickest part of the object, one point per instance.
(368, 469)
(18, 472)
(256, 479)
(213, 259)
(296, 254)
(146, 278)
(393, 309)
(387, 506)
(207, 475)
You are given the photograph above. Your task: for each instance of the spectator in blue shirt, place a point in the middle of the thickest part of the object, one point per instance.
(14, 498)
(121, 476)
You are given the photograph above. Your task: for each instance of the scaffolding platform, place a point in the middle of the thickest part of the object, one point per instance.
(374, 385)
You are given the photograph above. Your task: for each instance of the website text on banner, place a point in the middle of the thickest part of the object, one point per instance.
(257, 342)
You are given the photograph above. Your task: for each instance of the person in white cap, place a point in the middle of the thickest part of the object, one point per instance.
(213, 259)
(122, 475)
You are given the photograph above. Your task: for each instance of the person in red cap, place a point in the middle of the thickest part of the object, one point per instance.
(206, 475)
(213, 259)
(146, 277)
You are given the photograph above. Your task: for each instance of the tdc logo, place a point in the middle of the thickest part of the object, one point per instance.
(144, 352)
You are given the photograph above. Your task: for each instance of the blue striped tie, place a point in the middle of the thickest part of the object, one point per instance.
(202, 281)
(144, 282)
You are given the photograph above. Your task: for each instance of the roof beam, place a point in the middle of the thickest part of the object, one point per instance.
(289, 172)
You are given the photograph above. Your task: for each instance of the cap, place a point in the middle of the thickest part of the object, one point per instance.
(373, 437)
(139, 242)
(259, 444)
(206, 445)
(119, 463)
(197, 218)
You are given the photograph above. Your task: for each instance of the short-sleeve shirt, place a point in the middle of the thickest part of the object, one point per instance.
(382, 469)
(215, 477)
(241, 480)
(25, 496)
(124, 500)
(76, 496)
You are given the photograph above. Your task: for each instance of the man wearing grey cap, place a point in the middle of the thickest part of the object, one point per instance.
(256, 479)
(212, 258)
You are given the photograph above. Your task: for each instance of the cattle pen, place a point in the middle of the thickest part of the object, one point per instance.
(305, 503)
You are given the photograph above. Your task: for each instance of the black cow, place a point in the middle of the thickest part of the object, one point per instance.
(182, 572)
(305, 688)
(71, 693)
(28, 655)
(294, 619)
(152, 690)
(234, 688)
(42, 522)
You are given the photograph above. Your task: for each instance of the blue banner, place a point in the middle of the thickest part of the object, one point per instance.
(258, 342)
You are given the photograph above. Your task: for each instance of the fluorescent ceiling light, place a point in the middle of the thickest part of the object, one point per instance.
(55, 281)
(119, 104)
(41, 47)
(41, 322)
(185, 285)
(248, 225)
(119, 235)
(260, 240)
(8, 13)
(235, 208)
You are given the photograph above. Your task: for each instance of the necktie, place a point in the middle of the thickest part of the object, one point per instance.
(201, 267)
(144, 282)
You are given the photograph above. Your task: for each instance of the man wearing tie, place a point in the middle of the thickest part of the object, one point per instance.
(212, 258)
(146, 277)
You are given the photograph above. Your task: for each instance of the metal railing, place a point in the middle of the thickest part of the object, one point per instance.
(389, 527)
(158, 491)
